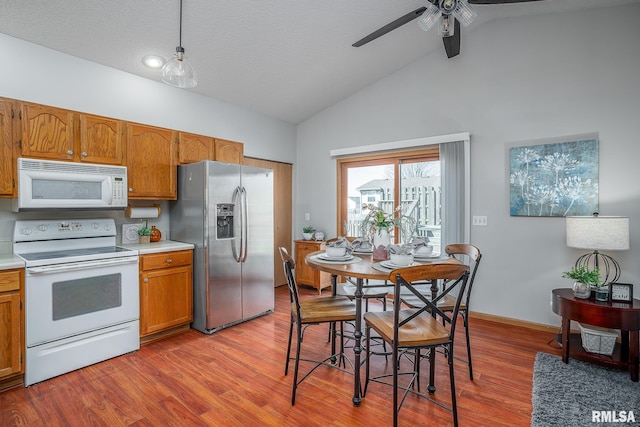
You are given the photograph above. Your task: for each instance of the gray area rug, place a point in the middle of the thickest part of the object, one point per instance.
(568, 394)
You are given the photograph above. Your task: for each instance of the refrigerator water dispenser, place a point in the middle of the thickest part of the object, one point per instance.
(224, 221)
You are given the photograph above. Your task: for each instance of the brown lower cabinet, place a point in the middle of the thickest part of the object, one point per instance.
(11, 327)
(166, 293)
(306, 275)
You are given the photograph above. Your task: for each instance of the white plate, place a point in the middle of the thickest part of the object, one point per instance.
(326, 257)
(389, 264)
(428, 257)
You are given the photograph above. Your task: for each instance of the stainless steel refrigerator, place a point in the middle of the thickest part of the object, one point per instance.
(226, 211)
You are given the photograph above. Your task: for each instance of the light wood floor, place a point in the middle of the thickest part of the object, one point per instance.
(236, 377)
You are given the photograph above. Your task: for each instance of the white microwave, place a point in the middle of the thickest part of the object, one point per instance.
(45, 184)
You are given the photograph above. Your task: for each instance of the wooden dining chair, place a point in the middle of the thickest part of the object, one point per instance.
(313, 311)
(473, 255)
(411, 330)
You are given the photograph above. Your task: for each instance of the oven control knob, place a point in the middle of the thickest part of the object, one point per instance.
(94, 225)
(107, 227)
(26, 231)
(43, 227)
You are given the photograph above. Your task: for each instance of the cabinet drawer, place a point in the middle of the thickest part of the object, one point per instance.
(9, 280)
(165, 260)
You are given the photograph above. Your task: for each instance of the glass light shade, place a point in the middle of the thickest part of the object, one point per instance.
(179, 72)
(429, 17)
(447, 29)
(609, 233)
(464, 13)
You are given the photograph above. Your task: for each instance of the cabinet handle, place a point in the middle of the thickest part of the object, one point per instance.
(70, 152)
(145, 280)
(130, 190)
(169, 261)
(84, 154)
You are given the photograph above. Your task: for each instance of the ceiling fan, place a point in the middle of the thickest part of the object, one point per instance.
(450, 12)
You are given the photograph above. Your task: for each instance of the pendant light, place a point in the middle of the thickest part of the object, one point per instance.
(177, 71)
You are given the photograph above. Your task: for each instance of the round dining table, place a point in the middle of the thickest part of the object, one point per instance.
(363, 268)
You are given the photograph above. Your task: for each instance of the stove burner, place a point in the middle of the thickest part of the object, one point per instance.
(37, 256)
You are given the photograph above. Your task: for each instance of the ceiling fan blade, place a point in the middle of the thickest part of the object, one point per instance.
(452, 44)
(390, 26)
(498, 1)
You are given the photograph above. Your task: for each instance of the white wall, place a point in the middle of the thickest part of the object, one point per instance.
(515, 80)
(33, 73)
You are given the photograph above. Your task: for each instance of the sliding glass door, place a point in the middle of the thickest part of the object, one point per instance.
(408, 180)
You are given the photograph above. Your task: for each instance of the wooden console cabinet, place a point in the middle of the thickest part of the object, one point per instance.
(166, 292)
(614, 315)
(306, 275)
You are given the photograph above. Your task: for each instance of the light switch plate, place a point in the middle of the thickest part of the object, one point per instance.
(130, 233)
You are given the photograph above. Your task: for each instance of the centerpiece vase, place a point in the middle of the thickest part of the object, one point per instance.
(580, 290)
(381, 242)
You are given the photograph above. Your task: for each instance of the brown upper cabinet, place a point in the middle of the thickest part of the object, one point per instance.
(7, 183)
(101, 140)
(151, 154)
(228, 151)
(194, 148)
(151, 162)
(46, 132)
(58, 134)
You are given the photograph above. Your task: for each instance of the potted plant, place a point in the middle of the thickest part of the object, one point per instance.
(584, 278)
(307, 232)
(144, 235)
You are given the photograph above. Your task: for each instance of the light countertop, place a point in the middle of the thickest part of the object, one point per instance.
(161, 246)
(9, 260)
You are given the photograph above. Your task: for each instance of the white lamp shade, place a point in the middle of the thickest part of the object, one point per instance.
(609, 233)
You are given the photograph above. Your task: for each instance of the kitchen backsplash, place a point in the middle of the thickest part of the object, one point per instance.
(8, 217)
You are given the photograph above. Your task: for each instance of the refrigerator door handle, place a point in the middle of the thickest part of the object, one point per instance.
(245, 224)
(237, 201)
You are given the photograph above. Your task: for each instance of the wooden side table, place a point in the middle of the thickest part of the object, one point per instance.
(306, 275)
(614, 315)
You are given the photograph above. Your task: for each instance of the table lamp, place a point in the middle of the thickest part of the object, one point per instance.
(609, 233)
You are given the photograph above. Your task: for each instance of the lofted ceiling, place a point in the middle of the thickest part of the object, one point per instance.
(288, 59)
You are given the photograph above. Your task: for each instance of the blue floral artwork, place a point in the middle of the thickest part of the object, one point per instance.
(554, 180)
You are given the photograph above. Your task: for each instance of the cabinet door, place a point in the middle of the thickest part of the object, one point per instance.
(151, 165)
(10, 323)
(6, 150)
(305, 274)
(165, 299)
(228, 151)
(101, 140)
(193, 148)
(47, 132)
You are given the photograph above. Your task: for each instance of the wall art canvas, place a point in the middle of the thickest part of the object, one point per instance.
(556, 179)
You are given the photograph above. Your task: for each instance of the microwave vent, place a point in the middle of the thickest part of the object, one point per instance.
(70, 167)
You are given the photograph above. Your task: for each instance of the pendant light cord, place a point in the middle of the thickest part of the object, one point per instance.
(180, 23)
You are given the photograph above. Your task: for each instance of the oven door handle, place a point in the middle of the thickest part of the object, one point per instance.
(73, 266)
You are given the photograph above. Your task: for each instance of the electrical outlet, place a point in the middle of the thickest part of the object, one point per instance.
(307, 216)
(480, 220)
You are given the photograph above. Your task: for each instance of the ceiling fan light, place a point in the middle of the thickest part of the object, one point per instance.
(429, 17)
(447, 26)
(464, 13)
(179, 72)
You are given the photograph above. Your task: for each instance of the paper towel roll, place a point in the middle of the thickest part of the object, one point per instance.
(143, 211)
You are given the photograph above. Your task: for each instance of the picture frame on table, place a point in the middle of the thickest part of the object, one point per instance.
(621, 292)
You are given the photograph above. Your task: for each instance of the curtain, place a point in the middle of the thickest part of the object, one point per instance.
(452, 163)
